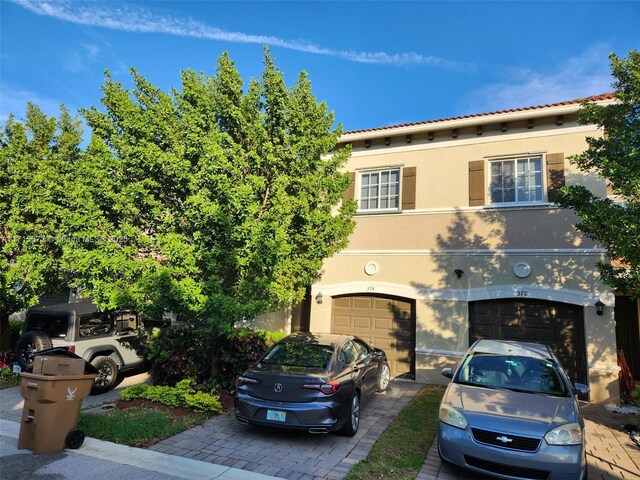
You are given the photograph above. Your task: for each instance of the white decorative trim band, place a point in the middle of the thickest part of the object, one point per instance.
(574, 297)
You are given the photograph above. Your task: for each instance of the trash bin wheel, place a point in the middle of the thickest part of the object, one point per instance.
(30, 343)
(107, 375)
(75, 438)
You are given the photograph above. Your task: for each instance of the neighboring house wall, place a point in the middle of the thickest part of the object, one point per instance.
(522, 256)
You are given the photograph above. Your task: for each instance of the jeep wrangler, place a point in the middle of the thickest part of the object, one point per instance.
(110, 341)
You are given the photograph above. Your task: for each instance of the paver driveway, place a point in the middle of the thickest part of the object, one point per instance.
(286, 453)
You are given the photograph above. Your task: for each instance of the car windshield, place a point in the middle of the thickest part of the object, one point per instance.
(54, 325)
(296, 354)
(522, 374)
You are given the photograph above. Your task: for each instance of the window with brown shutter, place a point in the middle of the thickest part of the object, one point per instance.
(555, 172)
(351, 191)
(476, 183)
(409, 188)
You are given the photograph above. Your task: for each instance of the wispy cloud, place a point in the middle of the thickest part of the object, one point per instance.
(14, 101)
(581, 76)
(129, 18)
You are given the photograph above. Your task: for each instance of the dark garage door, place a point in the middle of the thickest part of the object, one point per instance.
(388, 323)
(560, 325)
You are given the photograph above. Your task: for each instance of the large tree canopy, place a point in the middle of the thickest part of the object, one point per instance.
(36, 158)
(615, 156)
(214, 202)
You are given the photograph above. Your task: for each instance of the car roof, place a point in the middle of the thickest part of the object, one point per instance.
(332, 339)
(78, 308)
(512, 347)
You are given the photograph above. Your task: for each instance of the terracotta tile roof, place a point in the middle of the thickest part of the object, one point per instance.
(594, 98)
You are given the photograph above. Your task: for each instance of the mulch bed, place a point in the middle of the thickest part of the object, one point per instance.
(226, 400)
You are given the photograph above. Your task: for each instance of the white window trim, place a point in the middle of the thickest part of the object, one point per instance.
(514, 158)
(386, 168)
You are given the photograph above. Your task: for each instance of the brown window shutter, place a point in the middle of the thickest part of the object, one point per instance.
(555, 172)
(350, 192)
(476, 183)
(409, 188)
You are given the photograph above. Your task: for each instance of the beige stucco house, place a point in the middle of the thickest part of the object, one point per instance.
(456, 240)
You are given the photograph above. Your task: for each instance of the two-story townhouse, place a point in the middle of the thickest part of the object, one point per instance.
(456, 240)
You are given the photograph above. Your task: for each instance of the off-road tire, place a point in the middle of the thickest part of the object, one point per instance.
(107, 375)
(353, 422)
(30, 343)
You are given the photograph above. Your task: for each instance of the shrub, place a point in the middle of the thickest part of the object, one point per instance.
(182, 395)
(15, 331)
(211, 356)
(635, 396)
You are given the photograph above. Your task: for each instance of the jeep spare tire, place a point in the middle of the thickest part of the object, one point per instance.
(29, 344)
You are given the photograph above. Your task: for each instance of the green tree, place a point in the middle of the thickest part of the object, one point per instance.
(215, 202)
(36, 157)
(615, 156)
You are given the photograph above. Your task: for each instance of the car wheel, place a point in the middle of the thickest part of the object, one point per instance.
(107, 375)
(29, 344)
(351, 427)
(383, 379)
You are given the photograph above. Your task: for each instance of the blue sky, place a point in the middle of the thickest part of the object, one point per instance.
(375, 63)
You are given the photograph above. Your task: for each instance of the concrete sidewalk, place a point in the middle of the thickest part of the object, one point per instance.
(96, 459)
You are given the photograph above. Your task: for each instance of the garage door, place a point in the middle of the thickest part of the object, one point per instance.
(384, 322)
(559, 325)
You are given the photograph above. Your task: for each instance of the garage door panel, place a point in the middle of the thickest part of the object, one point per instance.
(362, 322)
(559, 325)
(385, 322)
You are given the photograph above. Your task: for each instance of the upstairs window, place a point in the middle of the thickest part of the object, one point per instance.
(380, 190)
(517, 180)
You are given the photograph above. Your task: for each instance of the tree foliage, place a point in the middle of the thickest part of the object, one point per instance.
(615, 156)
(220, 203)
(35, 158)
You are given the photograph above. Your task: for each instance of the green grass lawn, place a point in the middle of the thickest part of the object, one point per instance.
(137, 426)
(401, 449)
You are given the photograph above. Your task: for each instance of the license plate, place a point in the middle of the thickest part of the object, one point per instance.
(277, 415)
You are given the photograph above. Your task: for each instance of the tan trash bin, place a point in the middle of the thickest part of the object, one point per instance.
(52, 404)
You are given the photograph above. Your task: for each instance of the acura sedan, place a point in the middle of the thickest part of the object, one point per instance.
(512, 413)
(313, 382)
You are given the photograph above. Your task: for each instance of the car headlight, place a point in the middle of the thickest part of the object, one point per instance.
(451, 416)
(569, 434)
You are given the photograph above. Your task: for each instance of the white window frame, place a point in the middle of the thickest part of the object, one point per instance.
(528, 174)
(379, 196)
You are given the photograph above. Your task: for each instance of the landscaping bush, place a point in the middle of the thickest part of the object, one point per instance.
(182, 395)
(635, 397)
(212, 357)
(15, 331)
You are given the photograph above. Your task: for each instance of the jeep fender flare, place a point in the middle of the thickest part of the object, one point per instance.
(104, 350)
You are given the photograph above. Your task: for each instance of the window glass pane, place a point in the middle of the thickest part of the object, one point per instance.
(384, 203)
(374, 179)
(384, 190)
(496, 168)
(393, 189)
(509, 195)
(384, 177)
(365, 179)
(395, 176)
(393, 203)
(373, 191)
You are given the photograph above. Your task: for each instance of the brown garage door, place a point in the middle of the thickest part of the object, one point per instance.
(559, 325)
(384, 322)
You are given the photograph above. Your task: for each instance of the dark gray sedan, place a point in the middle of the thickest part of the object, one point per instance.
(313, 382)
(511, 412)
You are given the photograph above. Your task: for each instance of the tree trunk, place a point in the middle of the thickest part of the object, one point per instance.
(5, 332)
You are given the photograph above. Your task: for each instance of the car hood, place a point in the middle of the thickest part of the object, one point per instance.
(503, 409)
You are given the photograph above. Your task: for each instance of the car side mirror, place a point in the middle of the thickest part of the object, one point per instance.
(447, 372)
(377, 352)
(581, 389)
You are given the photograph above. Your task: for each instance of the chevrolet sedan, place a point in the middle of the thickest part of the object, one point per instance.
(511, 412)
(313, 382)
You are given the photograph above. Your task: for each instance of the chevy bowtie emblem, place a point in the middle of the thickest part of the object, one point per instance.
(278, 387)
(504, 439)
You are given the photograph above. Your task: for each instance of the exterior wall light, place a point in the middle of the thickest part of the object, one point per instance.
(599, 307)
(319, 298)
(458, 272)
